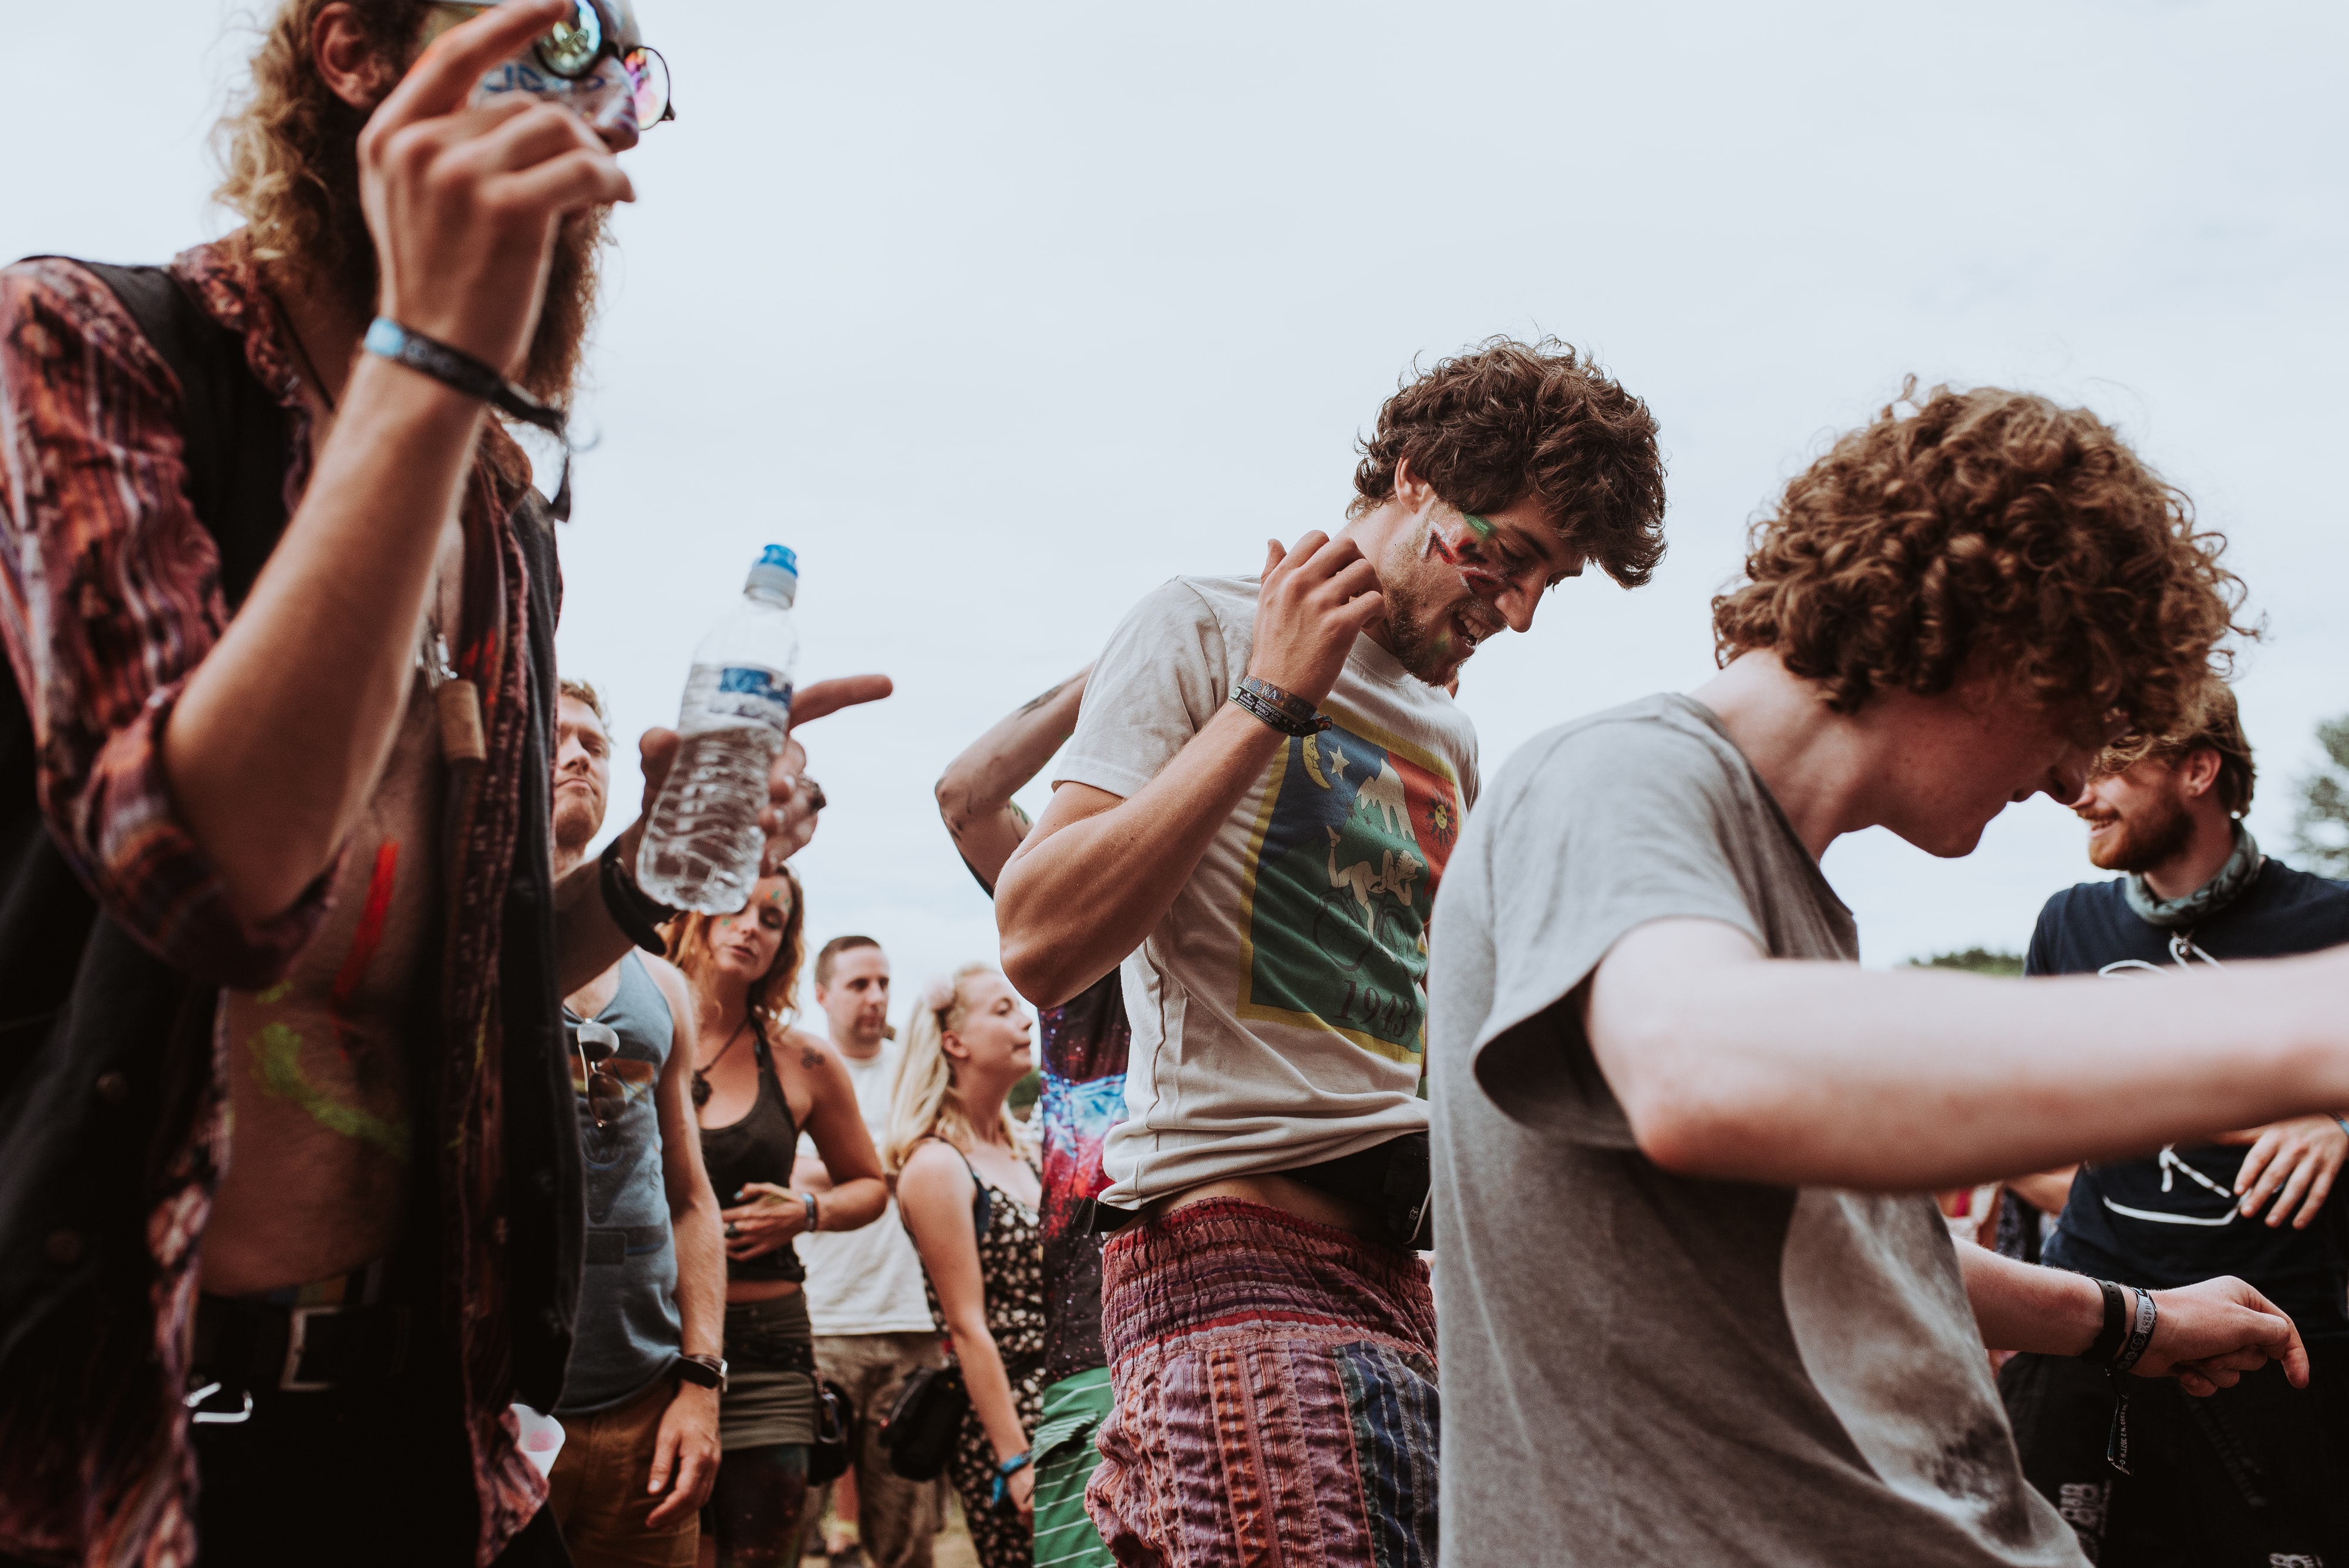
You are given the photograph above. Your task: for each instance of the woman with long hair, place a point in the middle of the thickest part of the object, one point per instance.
(967, 1192)
(757, 1081)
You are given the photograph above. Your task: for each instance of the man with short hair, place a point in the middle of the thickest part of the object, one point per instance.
(1693, 1290)
(2252, 1475)
(293, 1214)
(1265, 783)
(865, 1301)
(639, 1407)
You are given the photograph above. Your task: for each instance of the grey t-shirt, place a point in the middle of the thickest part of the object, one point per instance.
(1645, 1369)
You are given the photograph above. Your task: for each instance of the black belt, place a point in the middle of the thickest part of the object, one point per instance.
(1390, 1180)
(245, 1345)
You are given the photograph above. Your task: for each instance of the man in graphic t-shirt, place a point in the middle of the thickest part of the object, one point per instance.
(1265, 784)
(872, 1322)
(1084, 1043)
(2253, 1475)
(1694, 1298)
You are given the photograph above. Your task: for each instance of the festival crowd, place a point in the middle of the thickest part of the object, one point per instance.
(387, 1180)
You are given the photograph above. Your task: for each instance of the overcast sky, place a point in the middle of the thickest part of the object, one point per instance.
(1000, 314)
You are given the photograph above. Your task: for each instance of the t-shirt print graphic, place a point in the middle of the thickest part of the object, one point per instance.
(1349, 849)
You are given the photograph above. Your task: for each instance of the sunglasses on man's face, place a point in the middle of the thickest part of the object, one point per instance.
(572, 48)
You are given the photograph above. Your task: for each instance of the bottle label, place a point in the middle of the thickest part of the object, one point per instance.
(746, 692)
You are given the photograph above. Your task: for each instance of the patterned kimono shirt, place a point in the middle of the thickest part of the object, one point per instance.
(110, 597)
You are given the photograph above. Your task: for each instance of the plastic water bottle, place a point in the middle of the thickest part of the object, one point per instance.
(702, 847)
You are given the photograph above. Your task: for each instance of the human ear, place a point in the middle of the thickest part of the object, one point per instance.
(1414, 492)
(2198, 772)
(347, 58)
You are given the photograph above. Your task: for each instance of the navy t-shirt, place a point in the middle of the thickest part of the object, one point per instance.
(2151, 1222)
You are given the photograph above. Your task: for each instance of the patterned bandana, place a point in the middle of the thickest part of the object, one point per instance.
(2178, 914)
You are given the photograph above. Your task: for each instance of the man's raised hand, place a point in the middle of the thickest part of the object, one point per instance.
(1316, 599)
(464, 204)
(793, 799)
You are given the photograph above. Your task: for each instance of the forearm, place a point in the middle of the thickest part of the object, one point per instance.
(990, 1388)
(982, 781)
(1814, 1074)
(2021, 1306)
(279, 736)
(854, 1204)
(700, 1276)
(1075, 902)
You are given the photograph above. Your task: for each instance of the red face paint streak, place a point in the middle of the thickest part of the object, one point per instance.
(364, 943)
(1467, 561)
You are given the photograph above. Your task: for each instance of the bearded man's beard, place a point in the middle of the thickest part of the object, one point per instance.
(2143, 838)
(346, 268)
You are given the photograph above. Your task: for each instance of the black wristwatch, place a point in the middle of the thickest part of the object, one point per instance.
(708, 1371)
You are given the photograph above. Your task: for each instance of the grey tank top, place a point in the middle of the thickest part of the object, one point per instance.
(627, 1333)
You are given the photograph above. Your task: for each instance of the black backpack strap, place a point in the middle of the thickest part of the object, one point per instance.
(234, 431)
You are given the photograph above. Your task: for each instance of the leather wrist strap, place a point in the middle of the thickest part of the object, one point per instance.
(1278, 710)
(2114, 1334)
(388, 339)
(637, 916)
(708, 1371)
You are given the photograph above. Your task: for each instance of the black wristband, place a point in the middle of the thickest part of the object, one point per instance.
(2109, 1338)
(637, 916)
(708, 1371)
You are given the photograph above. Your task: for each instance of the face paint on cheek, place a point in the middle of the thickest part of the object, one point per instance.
(1467, 558)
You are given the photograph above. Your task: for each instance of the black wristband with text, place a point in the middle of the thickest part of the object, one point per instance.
(2109, 1338)
(1278, 710)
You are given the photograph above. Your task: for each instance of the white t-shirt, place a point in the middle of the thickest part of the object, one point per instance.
(867, 1281)
(1278, 1009)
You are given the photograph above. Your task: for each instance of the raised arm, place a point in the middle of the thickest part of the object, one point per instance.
(1730, 1064)
(1100, 871)
(975, 791)
(276, 740)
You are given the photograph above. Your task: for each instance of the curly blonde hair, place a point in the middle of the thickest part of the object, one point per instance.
(1994, 521)
(288, 148)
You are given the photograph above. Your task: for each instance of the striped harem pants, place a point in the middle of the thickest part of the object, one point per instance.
(1275, 1395)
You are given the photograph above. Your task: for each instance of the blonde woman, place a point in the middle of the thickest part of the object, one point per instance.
(756, 1082)
(967, 1190)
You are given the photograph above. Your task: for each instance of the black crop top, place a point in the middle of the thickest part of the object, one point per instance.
(760, 1147)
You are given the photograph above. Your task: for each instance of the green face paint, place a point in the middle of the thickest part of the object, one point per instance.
(277, 1056)
(1477, 525)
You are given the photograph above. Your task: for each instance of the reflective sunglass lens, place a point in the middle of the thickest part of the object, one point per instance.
(649, 75)
(571, 46)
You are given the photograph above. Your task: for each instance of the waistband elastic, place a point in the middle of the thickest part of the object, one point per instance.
(1226, 1263)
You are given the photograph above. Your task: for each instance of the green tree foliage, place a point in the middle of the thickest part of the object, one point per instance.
(1973, 961)
(2320, 835)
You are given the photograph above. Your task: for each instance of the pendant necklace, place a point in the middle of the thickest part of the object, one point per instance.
(700, 1073)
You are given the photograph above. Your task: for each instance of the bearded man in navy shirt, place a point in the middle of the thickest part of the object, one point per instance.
(2251, 1474)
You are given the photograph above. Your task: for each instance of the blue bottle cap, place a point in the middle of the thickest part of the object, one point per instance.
(777, 555)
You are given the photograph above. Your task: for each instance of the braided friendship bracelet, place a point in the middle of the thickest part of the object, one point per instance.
(1003, 1474)
(1278, 710)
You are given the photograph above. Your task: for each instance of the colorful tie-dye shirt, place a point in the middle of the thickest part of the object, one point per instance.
(1084, 1041)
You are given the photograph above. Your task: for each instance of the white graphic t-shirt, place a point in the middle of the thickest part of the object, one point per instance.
(1278, 1010)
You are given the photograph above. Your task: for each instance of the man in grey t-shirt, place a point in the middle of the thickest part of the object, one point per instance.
(1689, 1315)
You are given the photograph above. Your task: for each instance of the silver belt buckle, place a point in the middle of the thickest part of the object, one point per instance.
(297, 1337)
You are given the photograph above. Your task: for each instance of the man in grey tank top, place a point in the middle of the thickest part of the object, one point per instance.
(639, 1408)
